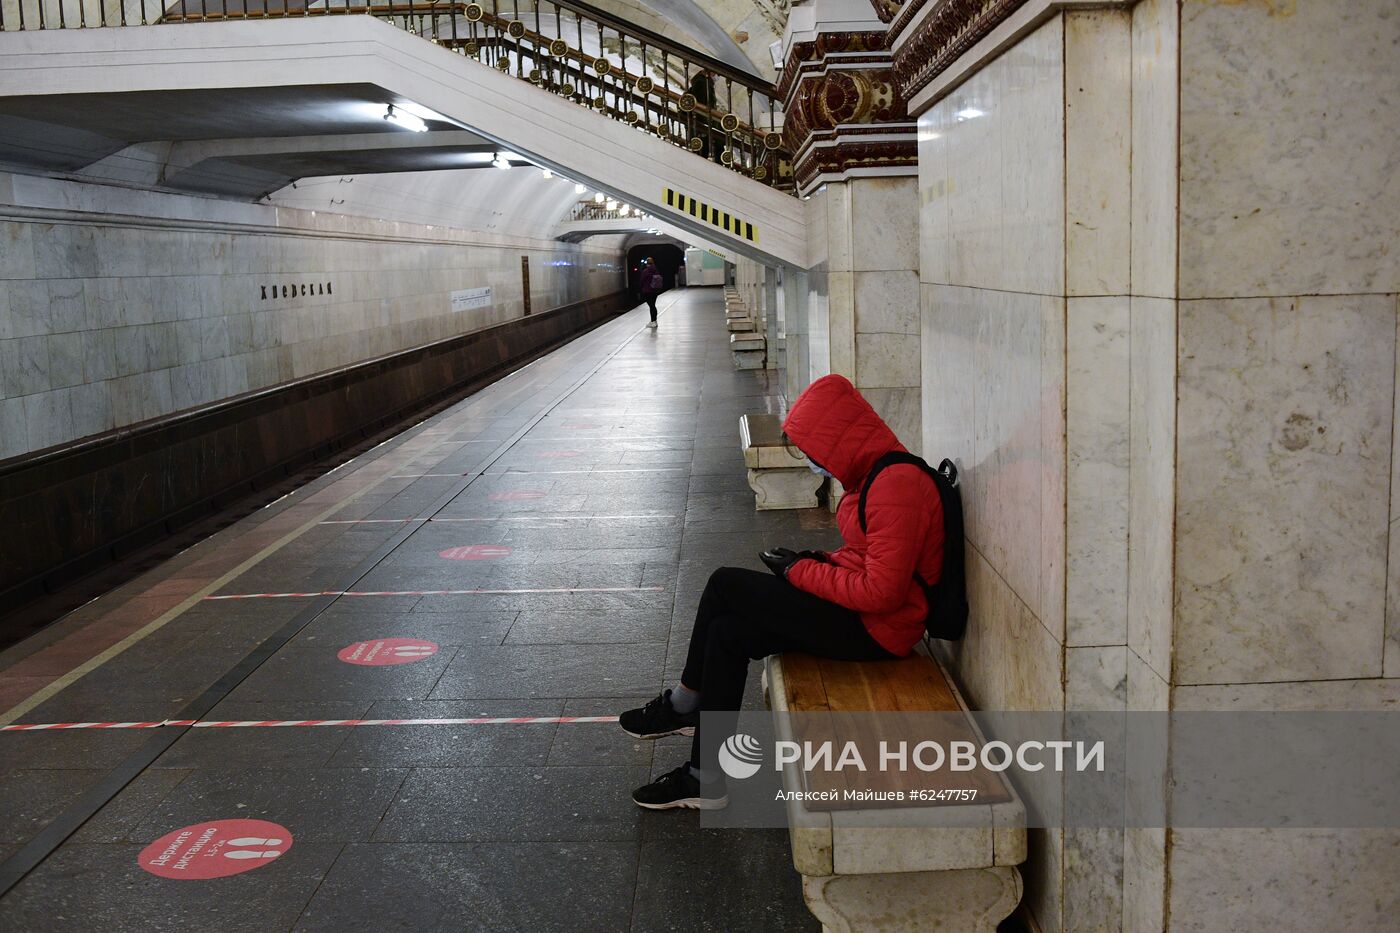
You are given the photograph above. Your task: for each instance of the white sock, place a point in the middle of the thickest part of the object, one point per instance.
(684, 700)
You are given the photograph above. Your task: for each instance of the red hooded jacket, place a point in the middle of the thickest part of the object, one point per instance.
(873, 572)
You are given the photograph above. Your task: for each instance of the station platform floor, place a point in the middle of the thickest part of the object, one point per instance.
(535, 551)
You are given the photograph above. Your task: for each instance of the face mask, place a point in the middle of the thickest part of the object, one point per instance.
(818, 470)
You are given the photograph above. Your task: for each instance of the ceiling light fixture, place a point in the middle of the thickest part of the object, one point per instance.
(598, 198)
(546, 173)
(969, 113)
(406, 120)
(502, 160)
(580, 189)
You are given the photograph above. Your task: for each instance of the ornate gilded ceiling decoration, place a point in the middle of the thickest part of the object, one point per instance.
(945, 32)
(842, 109)
(887, 10)
(774, 13)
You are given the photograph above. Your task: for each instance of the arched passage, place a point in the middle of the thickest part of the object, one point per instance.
(668, 258)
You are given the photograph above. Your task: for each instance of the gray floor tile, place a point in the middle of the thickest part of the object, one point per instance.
(477, 887)
(533, 804)
(732, 881)
(101, 887)
(316, 804)
(460, 745)
(552, 671)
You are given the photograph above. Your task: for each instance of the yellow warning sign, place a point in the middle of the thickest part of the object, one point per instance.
(710, 215)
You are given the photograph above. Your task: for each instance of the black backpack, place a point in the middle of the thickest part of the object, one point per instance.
(947, 599)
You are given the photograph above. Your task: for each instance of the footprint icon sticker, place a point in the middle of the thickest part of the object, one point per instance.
(215, 849)
(381, 651)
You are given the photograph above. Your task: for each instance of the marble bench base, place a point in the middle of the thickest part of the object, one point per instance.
(969, 900)
(784, 489)
(750, 351)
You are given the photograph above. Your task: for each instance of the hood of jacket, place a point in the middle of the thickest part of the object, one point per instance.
(835, 426)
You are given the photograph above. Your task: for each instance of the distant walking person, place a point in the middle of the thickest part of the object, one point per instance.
(652, 284)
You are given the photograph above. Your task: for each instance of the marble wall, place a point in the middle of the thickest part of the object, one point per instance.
(1034, 208)
(992, 196)
(863, 295)
(1289, 211)
(1159, 319)
(111, 317)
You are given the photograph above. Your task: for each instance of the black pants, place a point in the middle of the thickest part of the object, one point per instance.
(746, 615)
(651, 303)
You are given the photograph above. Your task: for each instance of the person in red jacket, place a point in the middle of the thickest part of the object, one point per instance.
(859, 603)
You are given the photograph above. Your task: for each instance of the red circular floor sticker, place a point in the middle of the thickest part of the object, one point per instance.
(381, 651)
(475, 552)
(215, 849)
(558, 454)
(516, 495)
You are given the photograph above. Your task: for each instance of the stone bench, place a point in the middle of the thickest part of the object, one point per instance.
(742, 325)
(779, 479)
(750, 351)
(901, 867)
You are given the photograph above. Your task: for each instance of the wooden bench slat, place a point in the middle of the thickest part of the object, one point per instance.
(910, 685)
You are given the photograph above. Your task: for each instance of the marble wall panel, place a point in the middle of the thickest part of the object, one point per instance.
(117, 303)
(1031, 118)
(1390, 658)
(948, 340)
(1008, 659)
(1097, 467)
(1093, 879)
(887, 302)
(16, 251)
(1290, 178)
(1098, 130)
(1096, 678)
(884, 224)
(935, 241)
(840, 308)
(1283, 879)
(1152, 480)
(1145, 845)
(1155, 44)
(1053, 506)
(993, 382)
(886, 361)
(14, 431)
(972, 150)
(1375, 695)
(900, 407)
(1281, 551)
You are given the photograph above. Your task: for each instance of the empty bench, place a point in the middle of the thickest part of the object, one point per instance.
(737, 316)
(778, 479)
(901, 866)
(750, 351)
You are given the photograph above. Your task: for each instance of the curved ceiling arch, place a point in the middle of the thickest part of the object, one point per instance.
(517, 202)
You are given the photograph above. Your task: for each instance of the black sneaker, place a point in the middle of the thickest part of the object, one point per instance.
(679, 788)
(658, 718)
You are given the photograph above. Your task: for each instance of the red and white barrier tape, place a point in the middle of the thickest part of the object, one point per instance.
(474, 592)
(281, 723)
